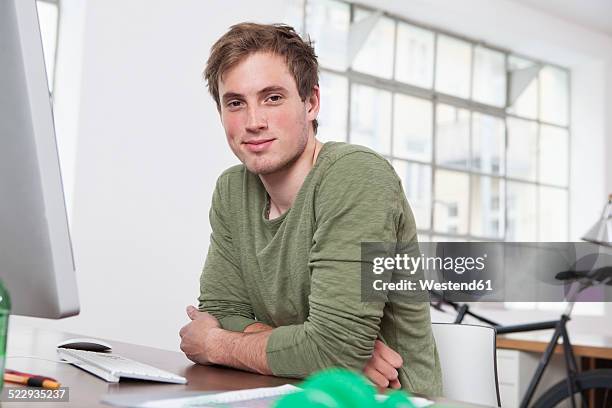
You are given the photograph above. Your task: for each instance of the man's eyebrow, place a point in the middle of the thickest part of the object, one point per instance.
(231, 95)
(273, 88)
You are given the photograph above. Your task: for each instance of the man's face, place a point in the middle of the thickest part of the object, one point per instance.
(266, 123)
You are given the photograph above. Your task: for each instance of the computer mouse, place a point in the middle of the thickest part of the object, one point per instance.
(86, 344)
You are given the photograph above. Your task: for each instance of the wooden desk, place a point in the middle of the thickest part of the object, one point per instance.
(86, 390)
(585, 345)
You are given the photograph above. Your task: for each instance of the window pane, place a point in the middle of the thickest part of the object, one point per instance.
(416, 180)
(453, 66)
(451, 202)
(328, 23)
(553, 155)
(553, 214)
(487, 217)
(521, 212)
(375, 56)
(414, 61)
(47, 17)
(489, 77)
(554, 84)
(522, 149)
(523, 87)
(334, 107)
(293, 14)
(488, 135)
(371, 118)
(441, 238)
(424, 238)
(412, 132)
(452, 136)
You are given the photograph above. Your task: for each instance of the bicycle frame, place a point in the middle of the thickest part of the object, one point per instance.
(571, 367)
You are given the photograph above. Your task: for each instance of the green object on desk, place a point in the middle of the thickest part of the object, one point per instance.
(338, 388)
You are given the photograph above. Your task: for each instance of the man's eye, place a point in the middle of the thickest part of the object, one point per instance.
(275, 98)
(234, 104)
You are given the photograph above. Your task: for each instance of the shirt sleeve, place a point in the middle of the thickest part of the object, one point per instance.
(222, 290)
(357, 201)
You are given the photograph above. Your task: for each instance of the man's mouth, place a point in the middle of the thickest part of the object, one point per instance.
(258, 141)
(258, 145)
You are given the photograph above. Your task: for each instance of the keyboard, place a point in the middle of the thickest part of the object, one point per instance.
(111, 367)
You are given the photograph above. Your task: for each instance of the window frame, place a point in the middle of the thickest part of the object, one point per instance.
(436, 97)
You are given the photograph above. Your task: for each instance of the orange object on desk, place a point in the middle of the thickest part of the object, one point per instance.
(31, 380)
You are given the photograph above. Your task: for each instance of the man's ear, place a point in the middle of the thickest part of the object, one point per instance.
(313, 103)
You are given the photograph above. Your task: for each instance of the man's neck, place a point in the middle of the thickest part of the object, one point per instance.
(282, 186)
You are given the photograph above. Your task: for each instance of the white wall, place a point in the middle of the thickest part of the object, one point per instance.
(144, 145)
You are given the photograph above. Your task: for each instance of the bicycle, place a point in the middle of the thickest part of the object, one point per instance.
(593, 386)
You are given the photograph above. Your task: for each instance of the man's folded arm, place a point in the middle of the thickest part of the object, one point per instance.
(299, 350)
(222, 290)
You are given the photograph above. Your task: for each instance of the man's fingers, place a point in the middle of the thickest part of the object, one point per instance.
(388, 354)
(377, 378)
(192, 312)
(384, 368)
(395, 384)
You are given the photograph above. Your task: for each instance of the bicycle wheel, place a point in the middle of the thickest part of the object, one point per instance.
(594, 386)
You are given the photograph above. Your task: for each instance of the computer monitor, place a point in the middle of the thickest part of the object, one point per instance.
(36, 262)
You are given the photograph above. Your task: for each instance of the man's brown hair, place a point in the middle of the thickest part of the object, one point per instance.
(245, 39)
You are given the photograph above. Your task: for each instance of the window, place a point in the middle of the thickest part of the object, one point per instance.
(48, 17)
(478, 135)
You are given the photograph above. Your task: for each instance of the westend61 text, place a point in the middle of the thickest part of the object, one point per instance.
(404, 284)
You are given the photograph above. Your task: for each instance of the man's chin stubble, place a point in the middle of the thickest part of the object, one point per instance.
(268, 167)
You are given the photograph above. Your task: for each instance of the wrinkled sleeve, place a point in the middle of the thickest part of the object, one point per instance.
(358, 200)
(222, 290)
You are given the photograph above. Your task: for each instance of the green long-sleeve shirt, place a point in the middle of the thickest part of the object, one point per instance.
(301, 272)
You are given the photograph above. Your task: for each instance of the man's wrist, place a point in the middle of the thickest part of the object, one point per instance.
(257, 327)
(245, 351)
(218, 345)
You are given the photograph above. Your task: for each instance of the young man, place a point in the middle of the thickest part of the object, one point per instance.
(280, 290)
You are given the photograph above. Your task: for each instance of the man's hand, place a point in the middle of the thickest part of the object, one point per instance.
(204, 342)
(382, 367)
(195, 336)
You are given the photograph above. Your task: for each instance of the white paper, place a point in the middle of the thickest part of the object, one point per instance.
(252, 398)
(242, 398)
(417, 401)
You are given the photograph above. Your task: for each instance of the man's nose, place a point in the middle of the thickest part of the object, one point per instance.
(255, 121)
